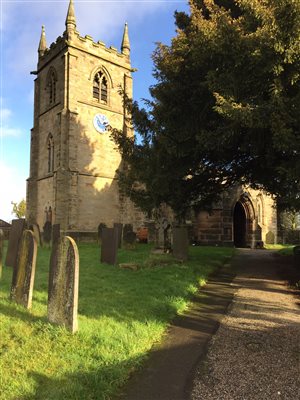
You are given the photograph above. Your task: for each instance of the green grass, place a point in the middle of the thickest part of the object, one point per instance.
(283, 249)
(122, 313)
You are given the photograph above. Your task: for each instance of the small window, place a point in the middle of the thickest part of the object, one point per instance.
(100, 88)
(50, 148)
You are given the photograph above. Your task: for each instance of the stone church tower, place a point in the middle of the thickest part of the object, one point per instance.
(73, 161)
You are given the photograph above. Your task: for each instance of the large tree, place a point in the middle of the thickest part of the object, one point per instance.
(225, 108)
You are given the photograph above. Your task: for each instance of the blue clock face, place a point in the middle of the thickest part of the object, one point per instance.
(100, 123)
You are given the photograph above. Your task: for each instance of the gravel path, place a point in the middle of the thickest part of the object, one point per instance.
(255, 353)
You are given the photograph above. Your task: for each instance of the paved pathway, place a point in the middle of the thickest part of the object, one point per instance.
(255, 354)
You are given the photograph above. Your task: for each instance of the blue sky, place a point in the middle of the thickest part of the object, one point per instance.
(21, 21)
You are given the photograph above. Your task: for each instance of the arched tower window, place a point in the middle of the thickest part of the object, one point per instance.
(100, 87)
(51, 86)
(50, 149)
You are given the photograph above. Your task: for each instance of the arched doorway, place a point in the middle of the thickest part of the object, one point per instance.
(239, 225)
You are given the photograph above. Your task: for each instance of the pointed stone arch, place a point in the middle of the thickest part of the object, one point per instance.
(51, 85)
(50, 153)
(244, 224)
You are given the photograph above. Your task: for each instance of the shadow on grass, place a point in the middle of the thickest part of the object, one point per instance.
(14, 311)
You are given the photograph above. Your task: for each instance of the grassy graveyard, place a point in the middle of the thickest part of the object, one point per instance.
(122, 313)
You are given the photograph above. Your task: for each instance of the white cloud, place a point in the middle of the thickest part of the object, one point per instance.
(5, 124)
(15, 189)
(103, 20)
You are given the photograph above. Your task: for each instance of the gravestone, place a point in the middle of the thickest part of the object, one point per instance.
(151, 232)
(127, 228)
(37, 234)
(24, 270)
(180, 243)
(270, 238)
(129, 239)
(63, 284)
(55, 234)
(162, 226)
(47, 232)
(1, 250)
(109, 246)
(15, 236)
(119, 228)
(101, 226)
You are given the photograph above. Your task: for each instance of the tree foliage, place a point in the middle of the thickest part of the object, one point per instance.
(19, 209)
(225, 108)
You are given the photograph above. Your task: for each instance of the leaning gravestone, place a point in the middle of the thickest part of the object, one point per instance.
(63, 284)
(47, 232)
(24, 270)
(15, 236)
(119, 228)
(37, 234)
(109, 247)
(180, 243)
(1, 250)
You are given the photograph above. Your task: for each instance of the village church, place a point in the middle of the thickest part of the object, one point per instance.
(73, 161)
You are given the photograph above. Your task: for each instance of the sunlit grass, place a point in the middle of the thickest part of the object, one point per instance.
(122, 313)
(284, 249)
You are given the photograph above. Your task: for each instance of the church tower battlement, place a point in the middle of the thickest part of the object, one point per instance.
(73, 161)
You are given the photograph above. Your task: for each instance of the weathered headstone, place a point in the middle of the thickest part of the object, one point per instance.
(162, 226)
(47, 232)
(55, 234)
(15, 236)
(101, 226)
(63, 284)
(24, 270)
(151, 232)
(127, 228)
(180, 243)
(109, 245)
(1, 250)
(129, 239)
(37, 234)
(270, 238)
(119, 228)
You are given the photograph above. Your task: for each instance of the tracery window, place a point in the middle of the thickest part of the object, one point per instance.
(50, 149)
(52, 87)
(100, 87)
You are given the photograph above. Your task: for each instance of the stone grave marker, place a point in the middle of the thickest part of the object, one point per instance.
(47, 232)
(127, 228)
(1, 250)
(37, 234)
(180, 243)
(151, 232)
(101, 226)
(119, 228)
(270, 238)
(159, 239)
(129, 239)
(55, 234)
(15, 236)
(24, 270)
(63, 284)
(109, 247)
